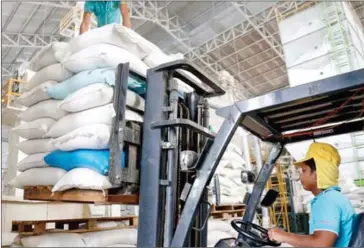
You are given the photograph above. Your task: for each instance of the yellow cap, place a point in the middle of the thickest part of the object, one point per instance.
(327, 160)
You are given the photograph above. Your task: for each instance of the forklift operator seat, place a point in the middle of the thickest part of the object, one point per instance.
(357, 238)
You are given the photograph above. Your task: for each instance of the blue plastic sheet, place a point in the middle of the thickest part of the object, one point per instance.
(97, 160)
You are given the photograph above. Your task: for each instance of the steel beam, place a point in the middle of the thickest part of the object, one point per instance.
(240, 30)
(147, 10)
(240, 63)
(20, 40)
(239, 51)
(172, 24)
(263, 74)
(30, 16)
(258, 26)
(40, 27)
(256, 66)
(11, 16)
(62, 5)
(6, 72)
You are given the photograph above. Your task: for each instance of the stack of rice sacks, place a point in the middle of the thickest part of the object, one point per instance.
(73, 89)
(82, 136)
(79, 136)
(351, 191)
(232, 190)
(41, 114)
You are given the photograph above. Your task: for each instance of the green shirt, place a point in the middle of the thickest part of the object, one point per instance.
(106, 12)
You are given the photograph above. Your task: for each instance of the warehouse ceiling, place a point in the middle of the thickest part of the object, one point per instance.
(239, 37)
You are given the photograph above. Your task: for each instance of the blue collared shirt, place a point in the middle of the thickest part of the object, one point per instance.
(106, 12)
(332, 211)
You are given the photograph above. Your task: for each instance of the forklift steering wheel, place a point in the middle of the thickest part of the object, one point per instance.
(245, 229)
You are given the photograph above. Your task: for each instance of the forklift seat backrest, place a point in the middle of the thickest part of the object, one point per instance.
(357, 238)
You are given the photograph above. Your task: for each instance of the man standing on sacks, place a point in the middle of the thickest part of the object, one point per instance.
(106, 12)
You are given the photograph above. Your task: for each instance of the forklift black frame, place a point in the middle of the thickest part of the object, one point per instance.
(322, 108)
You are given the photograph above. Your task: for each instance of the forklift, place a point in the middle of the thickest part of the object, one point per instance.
(179, 154)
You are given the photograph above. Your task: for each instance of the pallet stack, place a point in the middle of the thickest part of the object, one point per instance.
(85, 232)
(227, 211)
(39, 227)
(44, 193)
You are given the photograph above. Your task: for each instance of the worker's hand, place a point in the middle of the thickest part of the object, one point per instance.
(276, 234)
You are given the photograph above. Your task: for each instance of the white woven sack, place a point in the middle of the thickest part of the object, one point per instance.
(156, 58)
(103, 56)
(91, 96)
(99, 94)
(82, 178)
(227, 182)
(237, 180)
(49, 55)
(35, 95)
(307, 199)
(222, 165)
(113, 34)
(354, 196)
(34, 146)
(38, 177)
(359, 210)
(214, 236)
(231, 173)
(110, 237)
(238, 191)
(134, 101)
(98, 115)
(236, 160)
(35, 129)
(218, 224)
(54, 240)
(228, 200)
(225, 191)
(54, 72)
(32, 161)
(8, 239)
(44, 109)
(96, 136)
(357, 203)
(359, 190)
(73, 121)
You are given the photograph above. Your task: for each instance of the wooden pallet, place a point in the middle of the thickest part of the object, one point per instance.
(227, 211)
(37, 227)
(44, 193)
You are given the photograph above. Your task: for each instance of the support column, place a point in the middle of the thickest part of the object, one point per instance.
(13, 158)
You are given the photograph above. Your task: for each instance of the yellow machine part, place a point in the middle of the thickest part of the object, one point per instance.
(9, 90)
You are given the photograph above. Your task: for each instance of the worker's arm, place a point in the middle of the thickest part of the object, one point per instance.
(124, 11)
(325, 223)
(317, 239)
(86, 21)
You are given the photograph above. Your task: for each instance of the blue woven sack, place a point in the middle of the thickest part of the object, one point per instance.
(97, 160)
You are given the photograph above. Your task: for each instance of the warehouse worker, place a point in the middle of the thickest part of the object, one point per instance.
(106, 12)
(332, 215)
